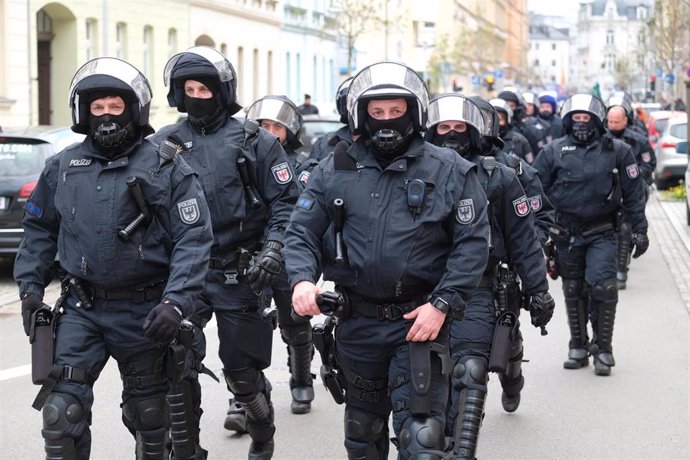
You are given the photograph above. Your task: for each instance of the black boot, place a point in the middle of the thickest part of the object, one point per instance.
(512, 380)
(603, 350)
(578, 354)
(260, 426)
(302, 380)
(236, 420)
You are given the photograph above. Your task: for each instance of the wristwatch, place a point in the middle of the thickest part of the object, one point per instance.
(441, 305)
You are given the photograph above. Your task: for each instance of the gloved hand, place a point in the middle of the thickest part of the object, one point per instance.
(640, 242)
(30, 303)
(163, 322)
(541, 307)
(265, 266)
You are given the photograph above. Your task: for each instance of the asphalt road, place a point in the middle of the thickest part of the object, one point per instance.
(640, 412)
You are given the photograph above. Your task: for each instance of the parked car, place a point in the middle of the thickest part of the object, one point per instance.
(315, 126)
(682, 147)
(22, 156)
(656, 123)
(670, 164)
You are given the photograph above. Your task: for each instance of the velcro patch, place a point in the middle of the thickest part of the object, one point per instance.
(303, 177)
(305, 203)
(79, 162)
(521, 206)
(282, 173)
(646, 157)
(189, 211)
(33, 209)
(632, 171)
(465, 213)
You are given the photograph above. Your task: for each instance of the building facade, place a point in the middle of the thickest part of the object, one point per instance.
(612, 44)
(549, 55)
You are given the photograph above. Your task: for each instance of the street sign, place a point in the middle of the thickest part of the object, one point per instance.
(670, 78)
(498, 73)
(659, 72)
(475, 79)
(687, 72)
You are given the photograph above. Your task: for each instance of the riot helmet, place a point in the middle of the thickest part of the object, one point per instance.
(531, 98)
(512, 94)
(490, 135)
(341, 99)
(583, 132)
(501, 106)
(108, 76)
(206, 65)
(282, 110)
(455, 107)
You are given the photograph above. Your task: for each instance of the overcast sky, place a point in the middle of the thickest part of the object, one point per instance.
(565, 8)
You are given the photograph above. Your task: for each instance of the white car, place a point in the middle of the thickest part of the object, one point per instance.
(670, 164)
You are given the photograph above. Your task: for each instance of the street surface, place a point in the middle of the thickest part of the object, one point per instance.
(640, 412)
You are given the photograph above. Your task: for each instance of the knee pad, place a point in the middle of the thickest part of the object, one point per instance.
(470, 372)
(298, 334)
(605, 291)
(419, 434)
(572, 288)
(63, 417)
(245, 382)
(145, 413)
(363, 430)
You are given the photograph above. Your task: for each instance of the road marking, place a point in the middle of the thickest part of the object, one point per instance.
(14, 372)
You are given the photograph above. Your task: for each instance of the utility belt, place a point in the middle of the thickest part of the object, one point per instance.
(381, 309)
(576, 226)
(235, 264)
(86, 292)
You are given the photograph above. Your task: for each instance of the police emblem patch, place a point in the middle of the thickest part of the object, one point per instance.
(521, 206)
(189, 211)
(282, 173)
(646, 157)
(535, 202)
(632, 171)
(465, 213)
(303, 177)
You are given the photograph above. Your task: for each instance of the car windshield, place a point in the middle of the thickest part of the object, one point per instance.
(679, 130)
(22, 156)
(660, 125)
(321, 127)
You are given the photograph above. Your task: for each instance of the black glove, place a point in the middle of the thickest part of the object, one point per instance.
(30, 303)
(541, 307)
(640, 242)
(163, 322)
(265, 266)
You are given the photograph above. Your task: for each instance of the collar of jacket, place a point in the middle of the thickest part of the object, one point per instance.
(92, 150)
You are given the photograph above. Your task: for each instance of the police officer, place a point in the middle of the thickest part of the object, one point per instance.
(455, 122)
(129, 280)
(589, 177)
(536, 134)
(618, 121)
(547, 112)
(251, 191)
(532, 114)
(415, 246)
(326, 144)
(514, 143)
(279, 116)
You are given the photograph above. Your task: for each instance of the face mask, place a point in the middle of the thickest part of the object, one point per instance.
(584, 132)
(112, 133)
(201, 111)
(390, 137)
(502, 130)
(460, 142)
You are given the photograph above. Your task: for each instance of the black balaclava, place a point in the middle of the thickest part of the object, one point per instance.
(204, 112)
(390, 138)
(458, 141)
(113, 134)
(617, 133)
(584, 132)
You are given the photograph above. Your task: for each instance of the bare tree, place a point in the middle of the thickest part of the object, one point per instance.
(671, 34)
(354, 17)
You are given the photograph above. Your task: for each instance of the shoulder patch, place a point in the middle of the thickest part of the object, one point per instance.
(535, 202)
(521, 206)
(33, 209)
(305, 203)
(189, 211)
(304, 177)
(646, 157)
(282, 173)
(632, 171)
(465, 212)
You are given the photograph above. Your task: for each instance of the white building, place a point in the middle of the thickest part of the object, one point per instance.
(548, 57)
(611, 45)
(308, 50)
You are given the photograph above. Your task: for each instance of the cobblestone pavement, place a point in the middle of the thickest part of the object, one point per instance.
(667, 225)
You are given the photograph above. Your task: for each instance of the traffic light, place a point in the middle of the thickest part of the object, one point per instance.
(490, 80)
(652, 83)
(456, 87)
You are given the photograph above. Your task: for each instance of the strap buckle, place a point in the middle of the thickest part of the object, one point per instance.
(388, 311)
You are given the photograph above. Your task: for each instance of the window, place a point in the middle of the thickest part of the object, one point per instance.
(121, 40)
(90, 41)
(536, 63)
(148, 52)
(240, 70)
(536, 46)
(553, 46)
(224, 49)
(609, 37)
(288, 73)
(255, 71)
(269, 72)
(172, 41)
(553, 63)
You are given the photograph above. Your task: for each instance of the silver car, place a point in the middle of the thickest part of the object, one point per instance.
(670, 164)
